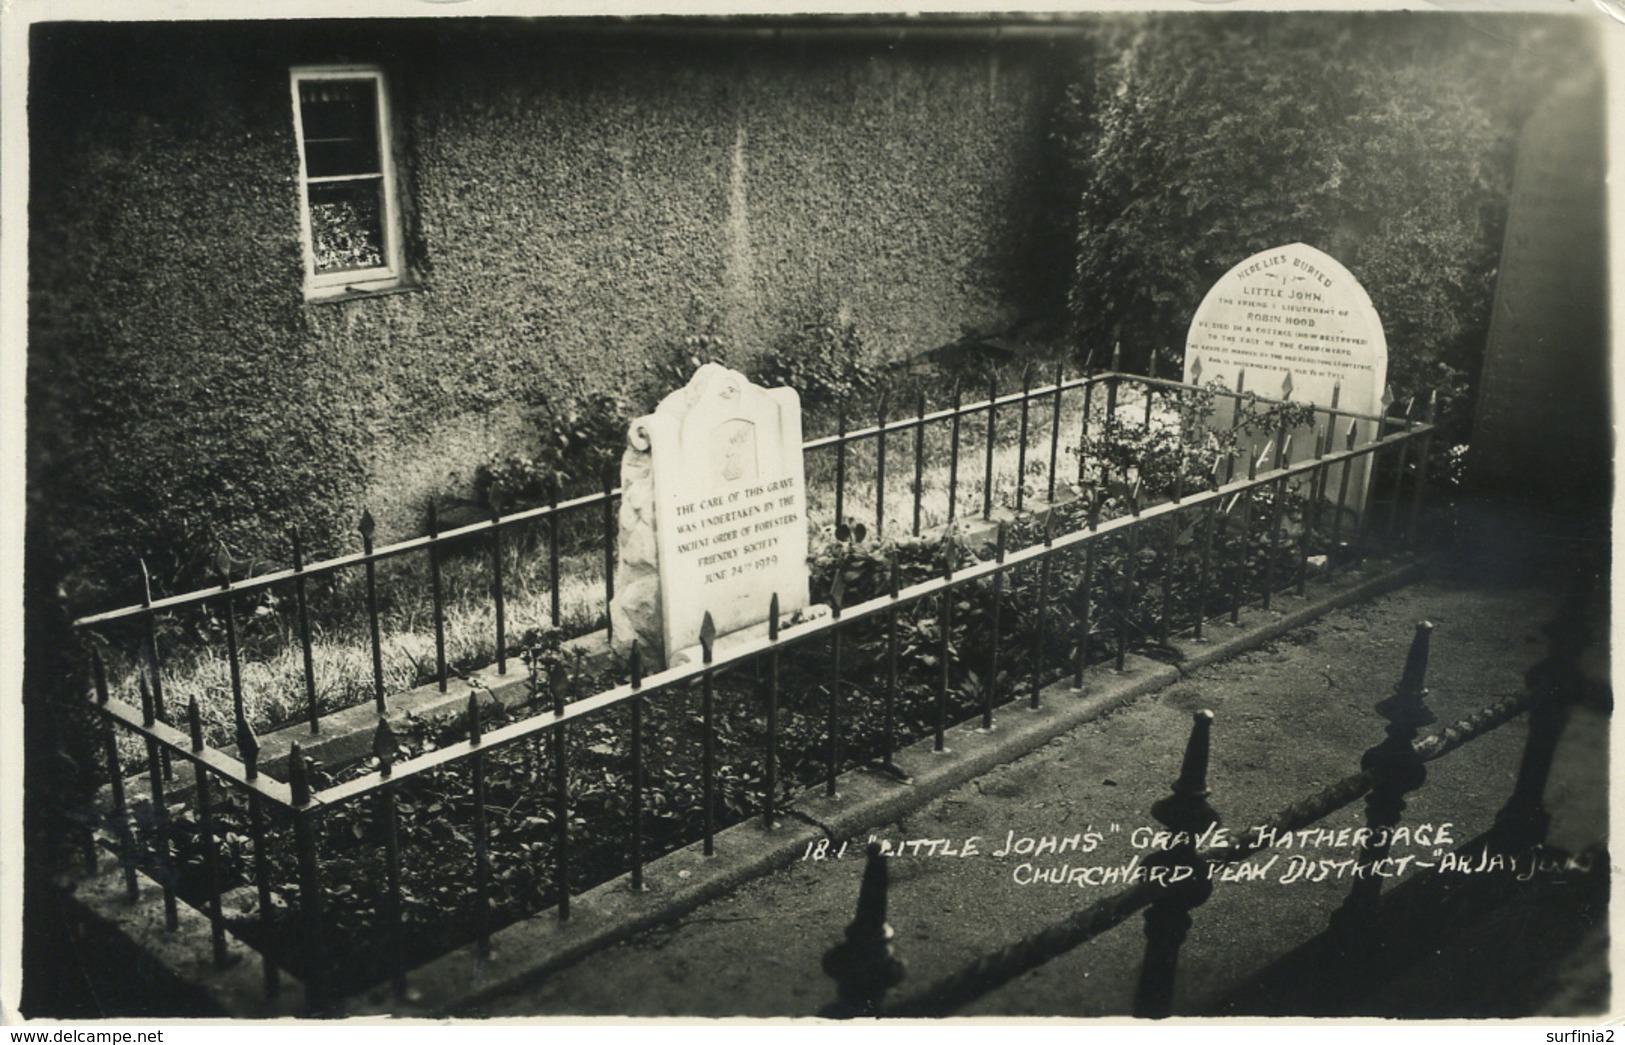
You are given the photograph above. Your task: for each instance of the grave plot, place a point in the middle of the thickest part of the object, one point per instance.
(561, 773)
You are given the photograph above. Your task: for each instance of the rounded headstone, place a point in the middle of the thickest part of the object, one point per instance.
(1299, 326)
(1296, 311)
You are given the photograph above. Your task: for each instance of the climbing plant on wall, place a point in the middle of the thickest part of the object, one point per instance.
(1384, 139)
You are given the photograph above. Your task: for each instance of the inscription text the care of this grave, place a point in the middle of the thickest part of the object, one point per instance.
(725, 536)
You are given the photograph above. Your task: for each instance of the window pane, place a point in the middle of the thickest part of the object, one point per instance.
(347, 226)
(339, 119)
(345, 156)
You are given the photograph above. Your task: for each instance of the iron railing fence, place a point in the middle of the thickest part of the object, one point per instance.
(280, 828)
(132, 638)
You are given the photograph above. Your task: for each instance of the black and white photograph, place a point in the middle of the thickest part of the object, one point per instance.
(1094, 512)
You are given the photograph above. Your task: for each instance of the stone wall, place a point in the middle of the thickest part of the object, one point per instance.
(579, 197)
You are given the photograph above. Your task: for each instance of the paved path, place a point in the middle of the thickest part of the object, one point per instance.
(1290, 719)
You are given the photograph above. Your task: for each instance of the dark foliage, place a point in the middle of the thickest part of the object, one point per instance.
(1384, 139)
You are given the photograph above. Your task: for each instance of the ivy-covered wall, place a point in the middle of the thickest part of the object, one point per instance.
(578, 197)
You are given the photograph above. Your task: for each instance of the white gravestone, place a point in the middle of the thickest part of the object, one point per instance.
(1297, 311)
(713, 514)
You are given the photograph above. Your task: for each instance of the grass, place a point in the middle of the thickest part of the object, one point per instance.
(196, 664)
(966, 495)
(194, 653)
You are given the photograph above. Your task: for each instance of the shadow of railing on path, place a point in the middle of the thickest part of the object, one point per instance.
(1555, 898)
(1489, 936)
(1372, 935)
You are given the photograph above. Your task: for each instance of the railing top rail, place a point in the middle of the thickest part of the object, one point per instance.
(210, 758)
(811, 630)
(903, 424)
(326, 566)
(1339, 412)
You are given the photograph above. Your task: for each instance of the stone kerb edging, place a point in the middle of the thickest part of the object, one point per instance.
(686, 879)
(186, 953)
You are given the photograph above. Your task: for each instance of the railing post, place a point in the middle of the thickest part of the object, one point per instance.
(164, 855)
(1211, 519)
(1309, 518)
(1083, 431)
(992, 436)
(1186, 886)
(233, 654)
(1343, 496)
(115, 775)
(1108, 423)
(1238, 586)
(1055, 432)
(1331, 434)
(498, 599)
(880, 466)
(1021, 453)
(367, 527)
(1428, 413)
(1364, 524)
(301, 597)
(708, 775)
(1283, 460)
(889, 711)
(840, 465)
(990, 685)
(1086, 602)
(1170, 562)
(1041, 632)
(1280, 429)
(609, 535)
(385, 747)
(561, 803)
(554, 595)
(437, 597)
(770, 770)
(248, 749)
(310, 878)
(863, 964)
(211, 854)
(155, 661)
(1125, 606)
(953, 455)
(919, 459)
(945, 627)
(1150, 390)
(837, 594)
(1399, 468)
(482, 835)
(636, 710)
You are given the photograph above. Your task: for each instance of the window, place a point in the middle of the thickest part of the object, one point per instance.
(349, 214)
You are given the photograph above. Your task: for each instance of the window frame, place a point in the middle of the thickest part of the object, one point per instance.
(392, 273)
